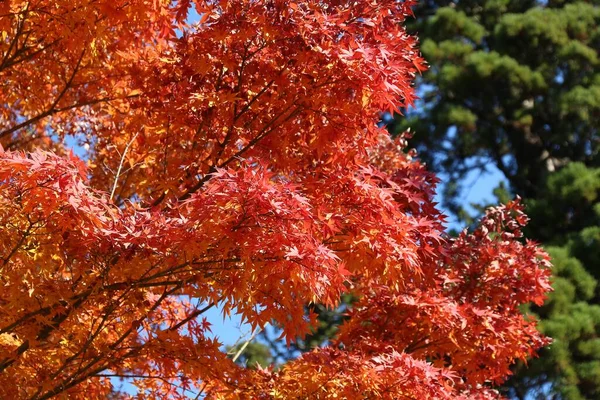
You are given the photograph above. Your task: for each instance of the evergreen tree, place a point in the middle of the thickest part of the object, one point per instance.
(516, 84)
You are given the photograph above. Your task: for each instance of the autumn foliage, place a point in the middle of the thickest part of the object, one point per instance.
(236, 162)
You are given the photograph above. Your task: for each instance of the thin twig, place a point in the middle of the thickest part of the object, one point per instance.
(241, 350)
(112, 192)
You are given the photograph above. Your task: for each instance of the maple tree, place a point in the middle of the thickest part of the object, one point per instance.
(237, 162)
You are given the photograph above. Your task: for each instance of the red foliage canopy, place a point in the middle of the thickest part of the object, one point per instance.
(236, 161)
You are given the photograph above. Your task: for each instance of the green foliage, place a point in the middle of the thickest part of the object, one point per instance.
(516, 84)
(566, 204)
